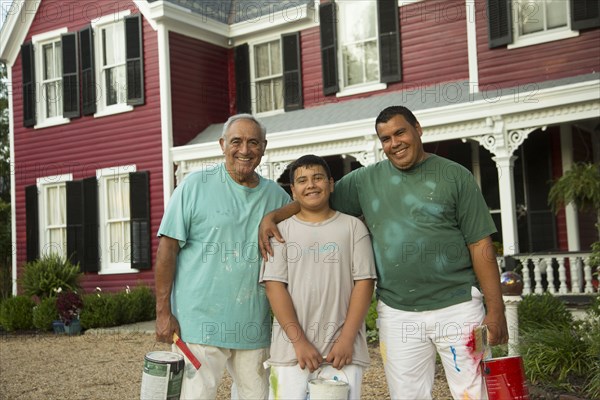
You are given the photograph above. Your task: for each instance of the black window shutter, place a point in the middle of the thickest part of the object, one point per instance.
(135, 59)
(389, 41)
(327, 16)
(88, 78)
(499, 23)
(292, 72)
(82, 223)
(90, 262)
(75, 239)
(28, 69)
(70, 65)
(139, 209)
(32, 223)
(585, 14)
(242, 79)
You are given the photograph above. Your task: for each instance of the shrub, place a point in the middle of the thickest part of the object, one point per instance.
(543, 311)
(5, 282)
(16, 313)
(44, 276)
(555, 357)
(590, 330)
(140, 305)
(99, 311)
(45, 313)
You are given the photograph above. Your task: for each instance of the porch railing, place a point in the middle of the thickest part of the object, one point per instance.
(567, 273)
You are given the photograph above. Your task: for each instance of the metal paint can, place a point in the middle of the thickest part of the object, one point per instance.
(162, 376)
(328, 389)
(505, 378)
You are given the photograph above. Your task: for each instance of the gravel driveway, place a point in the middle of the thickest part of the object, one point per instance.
(109, 366)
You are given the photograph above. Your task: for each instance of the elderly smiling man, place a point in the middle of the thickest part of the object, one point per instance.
(207, 266)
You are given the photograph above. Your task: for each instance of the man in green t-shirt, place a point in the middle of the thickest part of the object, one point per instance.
(208, 264)
(434, 255)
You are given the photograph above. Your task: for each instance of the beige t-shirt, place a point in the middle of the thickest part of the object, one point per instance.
(320, 262)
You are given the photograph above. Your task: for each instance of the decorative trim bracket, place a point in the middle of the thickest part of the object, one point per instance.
(503, 143)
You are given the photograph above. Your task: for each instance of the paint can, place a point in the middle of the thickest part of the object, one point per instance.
(327, 389)
(505, 378)
(162, 376)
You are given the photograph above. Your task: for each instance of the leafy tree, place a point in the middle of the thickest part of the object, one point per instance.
(5, 236)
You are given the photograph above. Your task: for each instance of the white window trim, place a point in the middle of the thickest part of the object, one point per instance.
(102, 110)
(41, 183)
(551, 35)
(254, 98)
(358, 89)
(38, 41)
(106, 268)
(543, 37)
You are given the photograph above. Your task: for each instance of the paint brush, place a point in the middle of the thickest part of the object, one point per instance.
(186, 350)
(480, 338)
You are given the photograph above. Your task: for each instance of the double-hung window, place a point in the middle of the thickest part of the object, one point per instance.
(115, 237)
(111, 70)
(538, 21)
(522, 23)
(49, 78)
(359, 53)
(53, 214)
(268, 76)
(360, 46)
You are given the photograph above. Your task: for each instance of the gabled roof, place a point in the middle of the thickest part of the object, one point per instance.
(233, 11)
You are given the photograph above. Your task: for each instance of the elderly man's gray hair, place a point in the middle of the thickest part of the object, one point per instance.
(233, 118)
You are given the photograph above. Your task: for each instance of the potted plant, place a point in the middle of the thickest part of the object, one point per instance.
(69, 305)
(580, 185)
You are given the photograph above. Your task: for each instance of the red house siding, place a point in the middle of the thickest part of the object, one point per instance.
(433, 37)
(502, 67)
(433, 40)
(199, 86)
(87, 144)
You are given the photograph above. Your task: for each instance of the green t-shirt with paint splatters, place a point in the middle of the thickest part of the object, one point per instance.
(216, 296)
(421, 221)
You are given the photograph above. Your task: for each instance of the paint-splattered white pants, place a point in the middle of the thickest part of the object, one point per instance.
(291, 382)
(409, 342)
(250, 379)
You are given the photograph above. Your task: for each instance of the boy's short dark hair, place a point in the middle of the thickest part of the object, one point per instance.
(390, 112)
(309, 159)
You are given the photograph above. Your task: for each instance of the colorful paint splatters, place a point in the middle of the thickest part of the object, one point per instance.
(453, 350)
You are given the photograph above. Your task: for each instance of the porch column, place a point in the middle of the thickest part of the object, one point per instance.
(506, 182)
(503, 143)
(566, 146)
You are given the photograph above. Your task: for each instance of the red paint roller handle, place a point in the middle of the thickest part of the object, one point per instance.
(186, 350)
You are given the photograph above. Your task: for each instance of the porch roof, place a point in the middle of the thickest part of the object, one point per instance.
(416, 98)
(233, 11)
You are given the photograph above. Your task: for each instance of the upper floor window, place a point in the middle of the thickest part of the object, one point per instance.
(268, 76)
(359, 52)
(360, 46)
(119, 63)
(48, 79)
(528, 22)
(538, 21)
(112, 65)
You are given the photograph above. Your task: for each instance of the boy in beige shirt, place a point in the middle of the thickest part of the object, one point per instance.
(319, 283)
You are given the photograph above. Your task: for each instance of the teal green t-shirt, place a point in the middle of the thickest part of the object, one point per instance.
(216, 296)
(421, 221)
